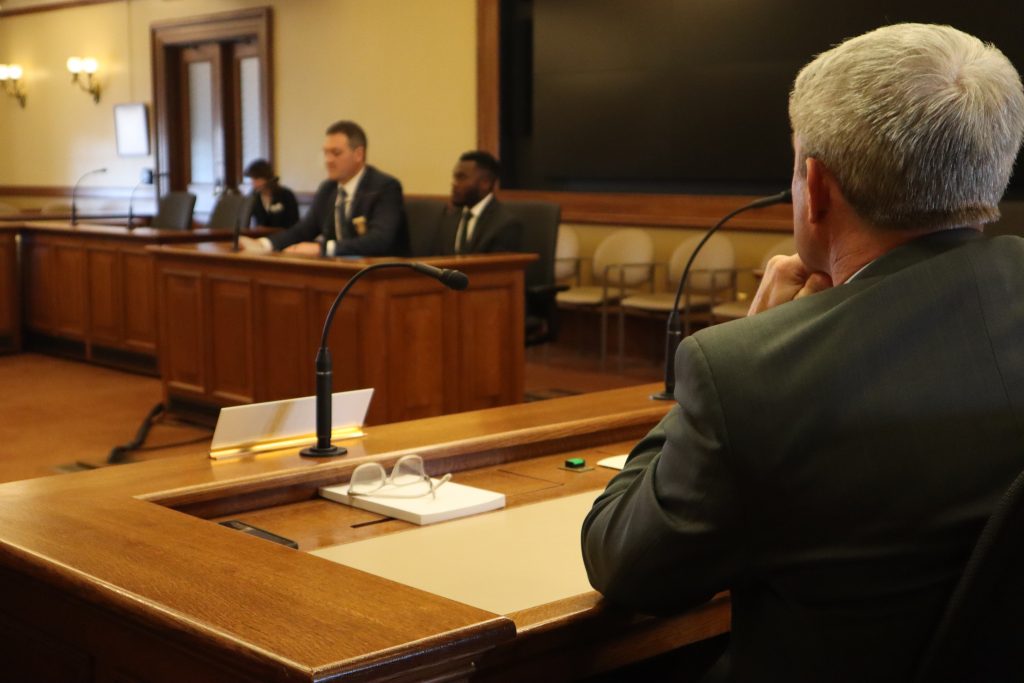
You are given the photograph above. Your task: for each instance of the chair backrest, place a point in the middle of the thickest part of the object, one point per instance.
(567, 248)
(784, 247)
(423, 216)
(979, 637)
(540, 236)
(717, 255)
(174, 211)
(227, 212)
(630, 245)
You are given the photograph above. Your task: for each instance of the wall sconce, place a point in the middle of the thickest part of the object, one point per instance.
(78, 66)
(10, 76)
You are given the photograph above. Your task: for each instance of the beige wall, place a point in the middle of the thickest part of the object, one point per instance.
(405, 69)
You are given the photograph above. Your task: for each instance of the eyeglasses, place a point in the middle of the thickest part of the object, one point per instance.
(408, 479)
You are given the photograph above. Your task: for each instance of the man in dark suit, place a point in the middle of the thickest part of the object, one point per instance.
(358, 210)
(480, 223)
(833, 456)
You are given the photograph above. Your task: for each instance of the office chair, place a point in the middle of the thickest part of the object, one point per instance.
(979, 637)
(423, 216)
(174, 211)
(227, 212)
(540, 235)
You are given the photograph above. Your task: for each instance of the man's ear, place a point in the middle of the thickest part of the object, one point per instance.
(820, 186)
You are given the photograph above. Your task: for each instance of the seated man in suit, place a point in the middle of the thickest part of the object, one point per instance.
(833, 456)
(271, 204)
(358, 210)
(481, 223)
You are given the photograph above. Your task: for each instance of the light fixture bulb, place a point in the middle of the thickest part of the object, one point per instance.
(14, 72)
(5, 72)
(89, 65)
(74, 65)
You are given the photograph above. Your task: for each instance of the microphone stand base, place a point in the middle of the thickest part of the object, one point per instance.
(662, 396)
(317, 452)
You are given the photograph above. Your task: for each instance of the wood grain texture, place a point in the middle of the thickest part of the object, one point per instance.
(10, 292)
(91, 284)
(143, 582)
(425, 349)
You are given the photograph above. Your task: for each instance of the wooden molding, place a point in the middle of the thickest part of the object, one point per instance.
(488, 75)
(66, 190)
(51, 6)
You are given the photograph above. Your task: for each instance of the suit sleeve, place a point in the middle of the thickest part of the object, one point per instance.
(666, 534)
(291, 208)
(309, 226)
(385, 225)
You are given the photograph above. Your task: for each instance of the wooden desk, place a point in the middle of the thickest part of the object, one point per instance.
(242, 328)
(89, 290)
(121, 574)
(10, 290)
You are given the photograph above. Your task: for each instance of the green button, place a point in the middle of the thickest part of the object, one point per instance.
(575, 463)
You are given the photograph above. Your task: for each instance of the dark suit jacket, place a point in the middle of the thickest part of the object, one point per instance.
(831, 461)
(496, 230)
(284, 209)
(377, 199)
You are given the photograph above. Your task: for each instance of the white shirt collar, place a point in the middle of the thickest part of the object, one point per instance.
(353, 183)
(479, 207)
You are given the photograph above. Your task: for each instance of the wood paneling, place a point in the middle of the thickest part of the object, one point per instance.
(71, 290)
(183, 339)
(398, 333)
(139, 296)
(41, 283)
(10, 293)
(281, 341)
(105, 289)
(417, 377)
(93, 285)
(229, 354)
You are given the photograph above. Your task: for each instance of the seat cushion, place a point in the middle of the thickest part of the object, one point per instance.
(663, 301)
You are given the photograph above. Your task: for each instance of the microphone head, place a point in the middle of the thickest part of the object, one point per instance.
(454, 279)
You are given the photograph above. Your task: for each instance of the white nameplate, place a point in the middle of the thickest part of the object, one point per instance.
(274, 425)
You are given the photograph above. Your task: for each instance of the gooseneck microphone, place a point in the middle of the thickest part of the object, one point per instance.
(74, 192)
(145, 178)
(453, 279)
(674, 332)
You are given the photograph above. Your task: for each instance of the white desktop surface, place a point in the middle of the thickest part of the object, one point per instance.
(501, 561)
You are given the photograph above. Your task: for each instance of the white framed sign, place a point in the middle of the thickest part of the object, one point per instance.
(131, 126)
